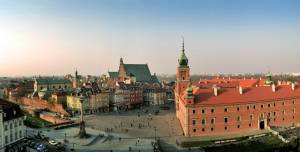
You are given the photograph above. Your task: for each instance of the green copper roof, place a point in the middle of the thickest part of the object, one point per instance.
(269, 80)
(52, 81)
(190, 91)
(183, 60)
(140, 71)
(154, 79)
(113, 75)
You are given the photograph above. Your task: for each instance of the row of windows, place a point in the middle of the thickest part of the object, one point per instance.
(59, 87)
(11, 137)
(238, 107)
(15, 125)
(238, 118)
(238, 126)
(225, 128)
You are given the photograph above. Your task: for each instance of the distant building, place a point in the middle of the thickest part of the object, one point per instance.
(154, 95)
(132, 73)
(217, 110)
(53, 83)
(99, 102)
(12, 129)
(74, 104)
(127, 96)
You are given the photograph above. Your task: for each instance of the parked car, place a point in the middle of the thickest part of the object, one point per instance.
(32, 144)
(52, 142)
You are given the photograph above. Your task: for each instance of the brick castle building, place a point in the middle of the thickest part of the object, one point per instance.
(216, 110)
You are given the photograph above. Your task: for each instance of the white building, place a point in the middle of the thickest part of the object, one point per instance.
(11, 127)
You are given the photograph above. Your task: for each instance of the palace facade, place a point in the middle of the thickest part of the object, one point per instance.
(218, 110)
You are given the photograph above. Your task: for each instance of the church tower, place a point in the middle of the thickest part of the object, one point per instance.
(183, 72)
(75, 81)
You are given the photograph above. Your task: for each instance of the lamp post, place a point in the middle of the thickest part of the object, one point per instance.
(155, 133)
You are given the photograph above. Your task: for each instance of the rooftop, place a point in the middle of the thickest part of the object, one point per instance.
(249, 95)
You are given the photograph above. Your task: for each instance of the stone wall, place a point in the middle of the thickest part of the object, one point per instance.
(43, 104)
(52, 119)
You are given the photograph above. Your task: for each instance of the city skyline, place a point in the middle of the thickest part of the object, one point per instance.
(56, 37)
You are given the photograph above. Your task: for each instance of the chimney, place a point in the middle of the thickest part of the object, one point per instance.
(279, 82)
(273, 87)
(240, 90)
(215, 91)
(293, 86)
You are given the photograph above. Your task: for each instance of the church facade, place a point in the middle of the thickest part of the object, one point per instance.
(206, 111)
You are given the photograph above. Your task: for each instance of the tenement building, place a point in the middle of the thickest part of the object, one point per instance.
(11, 127)
(218, 110)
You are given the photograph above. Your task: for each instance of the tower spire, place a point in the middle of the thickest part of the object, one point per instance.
(182, 43)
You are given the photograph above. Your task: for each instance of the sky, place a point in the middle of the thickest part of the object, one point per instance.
(54, 37)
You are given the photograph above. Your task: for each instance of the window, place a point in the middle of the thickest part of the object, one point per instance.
(274, 113)
(16, 124)
(283, 112)
(274, 104)
(65, 86)
(261, 106)
(5, 128)
(16, 135)
(53, 87)
(269, 105)
(250, 124)
(254, 107)
(248, 107)
(194, 130)
(194, 111)
(225, 109)
(238, 119)
(212, 110)
(20, 122)
(283, 103)
(294, 101)
(274, 119)
(238, 126)
(20, 133)
(225, 128)
(11, 137)
(283, 118)
(212, 121)
(238, 108)
(251, 117)
(211, 129)
(203, 121)
(6, 139)
(10, 126)
(225, 119)
(183, 75)
(194, 122)
(294, 110)
(203, 129)
(293, 117)
(203, 111)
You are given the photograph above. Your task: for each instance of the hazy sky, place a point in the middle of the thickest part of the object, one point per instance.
(53, 37)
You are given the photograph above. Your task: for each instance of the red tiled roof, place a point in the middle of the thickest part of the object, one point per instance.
(230, 83)
(250, 95)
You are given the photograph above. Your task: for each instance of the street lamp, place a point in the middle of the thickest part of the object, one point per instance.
(155, 133)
